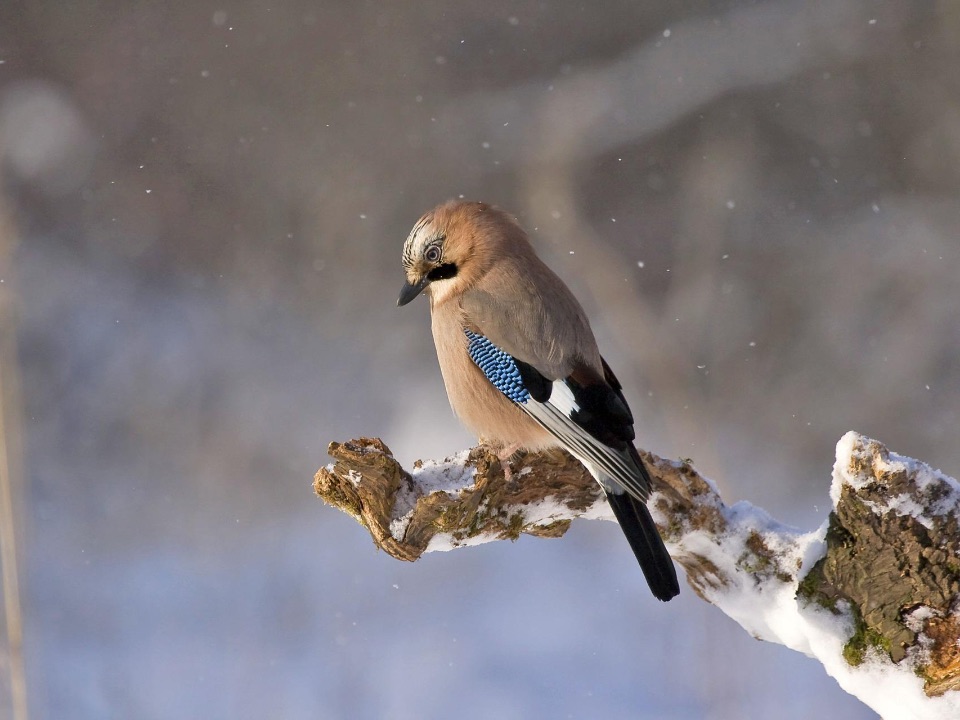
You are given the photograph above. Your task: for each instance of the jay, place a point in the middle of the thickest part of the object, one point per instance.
(520, 363)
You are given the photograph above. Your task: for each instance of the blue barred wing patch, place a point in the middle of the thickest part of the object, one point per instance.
(498, 366)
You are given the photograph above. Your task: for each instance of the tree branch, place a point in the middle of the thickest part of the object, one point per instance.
(877, 587)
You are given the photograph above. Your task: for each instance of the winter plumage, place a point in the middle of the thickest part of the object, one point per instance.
(520, 363)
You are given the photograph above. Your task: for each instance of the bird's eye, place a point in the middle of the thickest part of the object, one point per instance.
(432, 254)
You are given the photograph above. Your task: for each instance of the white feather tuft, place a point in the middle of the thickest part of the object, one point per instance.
(561, 397)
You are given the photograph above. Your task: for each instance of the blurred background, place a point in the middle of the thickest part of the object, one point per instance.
(201, 217)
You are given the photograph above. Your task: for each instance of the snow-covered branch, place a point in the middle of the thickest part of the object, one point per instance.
(873, 594)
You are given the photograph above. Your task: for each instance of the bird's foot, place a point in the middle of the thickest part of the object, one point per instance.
(507, 455)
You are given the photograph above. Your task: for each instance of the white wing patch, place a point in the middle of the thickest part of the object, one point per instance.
(561, 397)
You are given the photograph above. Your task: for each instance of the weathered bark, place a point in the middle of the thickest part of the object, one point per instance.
(888, 565)
(898, 576)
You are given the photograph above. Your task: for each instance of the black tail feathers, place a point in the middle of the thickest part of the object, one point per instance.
(642, 534)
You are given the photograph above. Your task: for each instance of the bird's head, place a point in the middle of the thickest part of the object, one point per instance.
(450, 247)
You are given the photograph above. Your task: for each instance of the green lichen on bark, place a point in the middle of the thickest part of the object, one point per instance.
(864, 637)
(758, 559)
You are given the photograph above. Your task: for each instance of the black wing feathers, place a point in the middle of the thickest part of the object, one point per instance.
(536, 384)
(603, 410)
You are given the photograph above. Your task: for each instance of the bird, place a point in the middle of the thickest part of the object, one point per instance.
(520, 362)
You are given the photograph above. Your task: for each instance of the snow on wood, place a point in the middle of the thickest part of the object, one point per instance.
(873, 594)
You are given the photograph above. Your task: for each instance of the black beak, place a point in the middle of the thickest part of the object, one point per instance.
(409, 291)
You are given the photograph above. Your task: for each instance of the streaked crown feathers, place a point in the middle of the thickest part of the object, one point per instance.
(423, 234)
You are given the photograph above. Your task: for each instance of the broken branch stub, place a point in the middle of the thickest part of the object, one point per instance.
(893, 555)
(404, 515)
